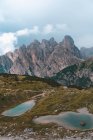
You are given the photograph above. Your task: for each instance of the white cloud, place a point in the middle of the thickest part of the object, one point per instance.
(22, 32)
(54, 28)
(7, 42)
(26, 32)
(34, 30)
(25, 13)
(48, 29)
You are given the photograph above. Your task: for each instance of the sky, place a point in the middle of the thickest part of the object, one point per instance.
(22, 21)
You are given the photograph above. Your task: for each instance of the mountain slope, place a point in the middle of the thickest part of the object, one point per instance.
(5, 64)
(79, 75)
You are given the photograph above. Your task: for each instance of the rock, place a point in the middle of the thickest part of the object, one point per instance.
(82, 123)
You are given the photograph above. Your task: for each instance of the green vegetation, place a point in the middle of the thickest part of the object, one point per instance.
(17, 89)
(86, 64)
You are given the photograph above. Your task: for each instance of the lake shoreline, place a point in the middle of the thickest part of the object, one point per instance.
(69, 120)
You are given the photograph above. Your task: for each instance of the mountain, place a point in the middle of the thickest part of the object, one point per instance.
(78, 75)
(86, 52)
(42, 59)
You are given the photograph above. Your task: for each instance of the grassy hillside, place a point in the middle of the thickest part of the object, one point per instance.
(17, 89)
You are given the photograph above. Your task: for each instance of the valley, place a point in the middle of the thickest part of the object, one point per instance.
(46, 70)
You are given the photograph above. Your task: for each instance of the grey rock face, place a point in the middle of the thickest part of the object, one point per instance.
(42, 59)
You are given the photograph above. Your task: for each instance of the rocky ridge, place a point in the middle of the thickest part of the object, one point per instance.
(43, 59)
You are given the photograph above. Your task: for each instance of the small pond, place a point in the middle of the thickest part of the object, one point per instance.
(69, 120)
(19, 109)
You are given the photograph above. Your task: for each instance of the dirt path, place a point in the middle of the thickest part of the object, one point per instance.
(42, 94)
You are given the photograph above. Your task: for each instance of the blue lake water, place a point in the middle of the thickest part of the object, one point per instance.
(69, 120)
(19, 109)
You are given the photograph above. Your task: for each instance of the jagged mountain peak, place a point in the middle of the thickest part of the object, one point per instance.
(52, 39)
(44, 41)
(43, 58)
(68, 41)
(36, 42)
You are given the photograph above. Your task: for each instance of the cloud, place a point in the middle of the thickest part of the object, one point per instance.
(23, 32)
(54, 17)
(54, 28)
(7, 42)
(26, 32)
(48, 29)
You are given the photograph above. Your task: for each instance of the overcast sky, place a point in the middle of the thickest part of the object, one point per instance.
(22, 21)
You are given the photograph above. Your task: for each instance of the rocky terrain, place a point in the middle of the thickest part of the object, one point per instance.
(42, 59)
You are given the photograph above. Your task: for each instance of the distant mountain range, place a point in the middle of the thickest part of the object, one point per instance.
(86, 52)
(63, 61)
